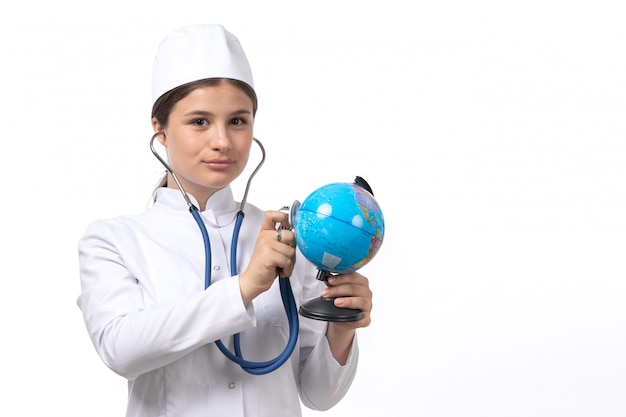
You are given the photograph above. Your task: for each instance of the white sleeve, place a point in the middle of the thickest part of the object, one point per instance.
(323, 381)
(127, 336)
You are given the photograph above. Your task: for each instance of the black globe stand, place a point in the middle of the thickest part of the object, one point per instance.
(324, 308)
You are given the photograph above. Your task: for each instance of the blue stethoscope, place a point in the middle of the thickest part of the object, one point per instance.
(255, 368)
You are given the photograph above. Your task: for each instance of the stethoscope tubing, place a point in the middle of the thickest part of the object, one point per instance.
(286, 292)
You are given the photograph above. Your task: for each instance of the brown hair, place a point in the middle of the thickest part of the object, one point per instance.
(163, 105)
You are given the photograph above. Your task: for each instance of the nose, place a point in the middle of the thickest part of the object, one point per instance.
(219, 138)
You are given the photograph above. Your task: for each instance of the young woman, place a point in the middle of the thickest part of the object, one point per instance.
(148, 306)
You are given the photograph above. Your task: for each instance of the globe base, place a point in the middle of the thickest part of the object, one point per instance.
(324, 309)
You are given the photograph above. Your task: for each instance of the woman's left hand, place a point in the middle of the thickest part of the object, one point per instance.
(350, 291)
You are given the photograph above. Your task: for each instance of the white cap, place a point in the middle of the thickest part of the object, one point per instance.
(196, 52)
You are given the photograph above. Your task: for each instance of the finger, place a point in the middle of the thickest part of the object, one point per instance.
(272, 218)
(285, 252)
(286, 237)
(285, 263)
(359, 303)
(363, 322)
(348, 290)
(352, 292)
(353, 280)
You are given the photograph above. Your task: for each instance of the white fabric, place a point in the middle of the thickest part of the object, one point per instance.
(196, 52)
(151, 321)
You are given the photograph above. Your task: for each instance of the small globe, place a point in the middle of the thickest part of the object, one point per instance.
(339, 227)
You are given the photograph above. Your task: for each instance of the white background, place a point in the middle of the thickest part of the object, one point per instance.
(492, 134)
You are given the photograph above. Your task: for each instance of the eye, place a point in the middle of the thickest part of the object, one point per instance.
(237, 121)
(199, 122)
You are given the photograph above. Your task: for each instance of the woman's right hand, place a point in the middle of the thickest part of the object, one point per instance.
(274, 254)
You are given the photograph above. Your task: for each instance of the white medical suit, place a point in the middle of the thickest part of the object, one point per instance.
(152, 322)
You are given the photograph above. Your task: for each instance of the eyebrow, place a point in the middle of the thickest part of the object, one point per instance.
(206, 113)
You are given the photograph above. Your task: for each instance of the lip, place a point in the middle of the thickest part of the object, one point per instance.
(219, 164)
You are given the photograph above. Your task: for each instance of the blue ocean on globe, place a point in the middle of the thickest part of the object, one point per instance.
(339, 227)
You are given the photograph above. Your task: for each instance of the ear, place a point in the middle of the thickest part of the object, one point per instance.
(156, 127)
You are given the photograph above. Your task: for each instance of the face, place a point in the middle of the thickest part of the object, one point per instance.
(208, 138)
